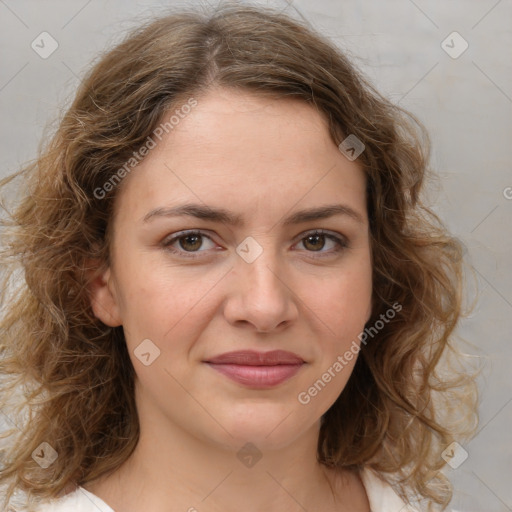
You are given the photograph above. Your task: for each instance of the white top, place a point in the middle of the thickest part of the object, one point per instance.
(380, 494)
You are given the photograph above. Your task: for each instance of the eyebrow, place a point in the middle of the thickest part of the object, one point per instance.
(204, 212)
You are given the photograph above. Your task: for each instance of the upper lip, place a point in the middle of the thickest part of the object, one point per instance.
(255, 358)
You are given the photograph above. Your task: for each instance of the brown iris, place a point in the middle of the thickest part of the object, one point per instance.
(196, 242)
(316, 246)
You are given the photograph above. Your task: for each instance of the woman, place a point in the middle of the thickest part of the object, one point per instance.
(233, 295)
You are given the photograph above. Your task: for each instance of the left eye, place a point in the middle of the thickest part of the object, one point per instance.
(318, 238)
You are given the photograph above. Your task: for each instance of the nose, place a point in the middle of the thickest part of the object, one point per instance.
(261, 297)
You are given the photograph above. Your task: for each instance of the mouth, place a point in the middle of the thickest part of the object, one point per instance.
(260, 370)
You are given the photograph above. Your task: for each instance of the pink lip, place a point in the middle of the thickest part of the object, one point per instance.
(257, 369)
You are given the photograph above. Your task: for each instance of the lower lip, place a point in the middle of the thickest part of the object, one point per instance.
(258, 376)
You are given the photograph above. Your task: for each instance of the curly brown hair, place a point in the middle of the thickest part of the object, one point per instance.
(74, 372)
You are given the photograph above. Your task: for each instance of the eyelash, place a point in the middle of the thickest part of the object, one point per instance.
(341, 242)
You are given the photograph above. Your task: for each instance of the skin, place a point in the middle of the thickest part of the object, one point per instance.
(262, 159)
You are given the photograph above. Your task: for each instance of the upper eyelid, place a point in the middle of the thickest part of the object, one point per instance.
(187, 232)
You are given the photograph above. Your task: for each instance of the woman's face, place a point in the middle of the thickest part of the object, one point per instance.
(264, 283)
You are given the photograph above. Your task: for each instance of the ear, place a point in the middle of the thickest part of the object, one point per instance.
(104, 301)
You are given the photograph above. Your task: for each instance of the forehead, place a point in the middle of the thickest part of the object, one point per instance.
(241, 123)
(236, 148)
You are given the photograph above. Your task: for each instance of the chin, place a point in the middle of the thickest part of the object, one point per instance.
(265, 427)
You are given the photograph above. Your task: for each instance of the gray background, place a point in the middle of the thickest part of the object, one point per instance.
(465, 102)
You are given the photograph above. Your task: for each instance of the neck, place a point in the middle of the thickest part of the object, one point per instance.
(174, 469)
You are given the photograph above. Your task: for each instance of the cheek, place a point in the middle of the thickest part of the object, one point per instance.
(343, 303)
(342, 307)
(163, 303)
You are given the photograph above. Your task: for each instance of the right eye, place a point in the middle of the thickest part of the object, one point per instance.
(189, 243)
